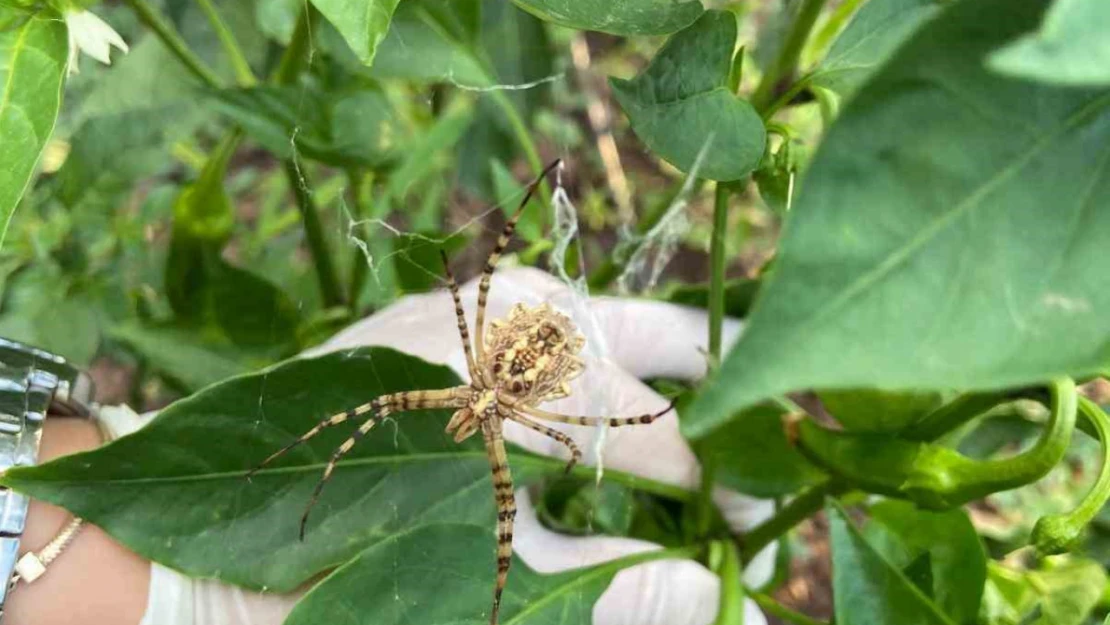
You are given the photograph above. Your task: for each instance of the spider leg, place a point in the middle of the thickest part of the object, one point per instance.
(464, 332)
(506, 506)
(495, 255)
(331, 421)
(576, 420)
(575, 453)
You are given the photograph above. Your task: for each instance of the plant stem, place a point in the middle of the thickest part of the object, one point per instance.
(234, 52)
(296, 53)
(787, 61)
(799, 509)
(717, 272)
(314, 234)
(727, 566)
(166, 33)
(774, 608)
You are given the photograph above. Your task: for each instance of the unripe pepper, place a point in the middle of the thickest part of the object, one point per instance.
(1058, 533)
(933, 476)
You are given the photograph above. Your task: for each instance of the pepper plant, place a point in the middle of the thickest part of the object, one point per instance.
(915, 348)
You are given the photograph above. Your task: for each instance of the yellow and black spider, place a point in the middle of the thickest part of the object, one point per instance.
(525, 360)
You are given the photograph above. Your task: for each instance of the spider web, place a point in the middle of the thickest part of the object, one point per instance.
(651, 253)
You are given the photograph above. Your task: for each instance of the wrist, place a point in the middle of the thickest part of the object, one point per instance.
(95, 581)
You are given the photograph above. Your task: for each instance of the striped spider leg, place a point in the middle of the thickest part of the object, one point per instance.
(526, 359)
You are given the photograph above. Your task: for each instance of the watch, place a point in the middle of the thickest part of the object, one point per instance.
(34, 384)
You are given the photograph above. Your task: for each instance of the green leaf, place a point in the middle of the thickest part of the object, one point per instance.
(443, 575)
(946, 542)
(43, 308)
(618, 17)
(753, 455)
(900, 268)
(172, 495)
(426, 155)
(251, 310)
(866, 588)
(1070, 48)
(363, 23)
(681, 105)
(109, 153)
(354, 127)
(868, 410)
(417, 262)
(184, 356)
(874, 33)
(32, 66)
(420, 47)
(1063, 592)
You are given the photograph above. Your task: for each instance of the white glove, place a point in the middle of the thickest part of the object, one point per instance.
(626, 339)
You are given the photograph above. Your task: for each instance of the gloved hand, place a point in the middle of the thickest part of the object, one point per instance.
(626, 339)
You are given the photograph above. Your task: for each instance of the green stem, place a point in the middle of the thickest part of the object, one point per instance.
(314, 234)
(234, 52)
(359, 183)
(717, 272)
(776, 609)
(799, 509)
(787, 60)
(166, 33)
(953, 414)
(725, 562)
(1058, 533)
(296, 53)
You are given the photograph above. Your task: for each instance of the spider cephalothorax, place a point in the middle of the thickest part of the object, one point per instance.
(534, 353)
(526, 359)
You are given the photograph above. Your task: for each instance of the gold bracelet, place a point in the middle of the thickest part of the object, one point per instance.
(31, 565)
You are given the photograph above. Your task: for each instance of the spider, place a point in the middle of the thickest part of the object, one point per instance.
(524, 360)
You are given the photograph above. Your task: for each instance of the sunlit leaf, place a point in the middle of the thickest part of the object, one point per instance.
(872, 36)
(363, 23)
(920, 253)
(946, 544)
(1070, 48)
(681, 105)
(32, 68)
(866, 588)
(619, 17)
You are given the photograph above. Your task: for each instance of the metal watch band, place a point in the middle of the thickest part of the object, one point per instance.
(33, 384)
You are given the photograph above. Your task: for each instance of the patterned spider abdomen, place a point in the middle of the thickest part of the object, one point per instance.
(533, 355)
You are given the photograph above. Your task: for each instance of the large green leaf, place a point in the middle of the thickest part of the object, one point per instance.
(363, 23)
(681, 105)
(874, 33)
(866, 588)
(443, 575)
(1071, 47)
(946, 235)
(32, 65)
(619, 17)
(176, 491)
(947, 545)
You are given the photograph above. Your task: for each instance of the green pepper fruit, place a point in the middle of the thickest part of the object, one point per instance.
(1059, 533)
(932, 476)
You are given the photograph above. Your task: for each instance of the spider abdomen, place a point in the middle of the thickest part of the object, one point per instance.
(533, 354)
